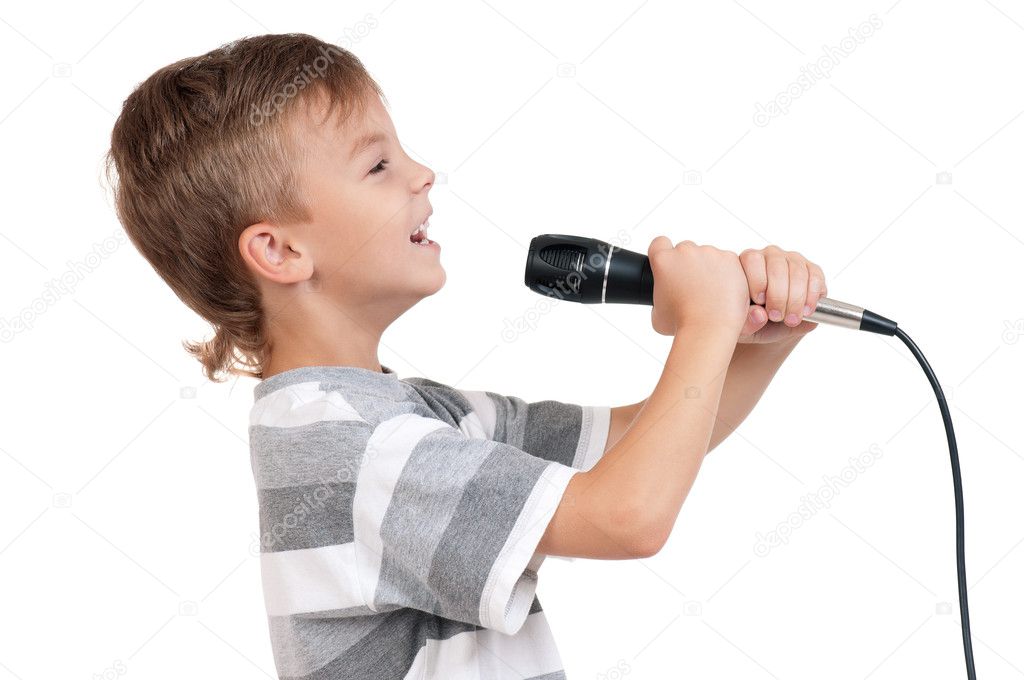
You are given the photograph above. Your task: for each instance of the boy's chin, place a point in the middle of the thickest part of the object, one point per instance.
(429, 284)
(439, 280)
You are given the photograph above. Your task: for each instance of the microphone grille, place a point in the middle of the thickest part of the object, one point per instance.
(564, 257)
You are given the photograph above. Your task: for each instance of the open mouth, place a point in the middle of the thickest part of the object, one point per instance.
(419, 237)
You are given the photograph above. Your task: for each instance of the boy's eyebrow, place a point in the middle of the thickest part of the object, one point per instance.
(364, 142)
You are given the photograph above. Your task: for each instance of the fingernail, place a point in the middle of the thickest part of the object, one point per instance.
(760, 298)
(775, 315)
(792, 320)
(807, 310)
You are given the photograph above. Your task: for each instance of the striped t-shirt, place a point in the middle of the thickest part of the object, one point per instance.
(399, 521)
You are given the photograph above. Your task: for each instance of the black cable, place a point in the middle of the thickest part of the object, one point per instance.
(958, 492)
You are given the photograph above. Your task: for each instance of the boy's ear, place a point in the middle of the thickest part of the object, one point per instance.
(273, 253)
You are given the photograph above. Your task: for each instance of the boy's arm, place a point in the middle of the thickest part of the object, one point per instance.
(751, 370)
(625, 506)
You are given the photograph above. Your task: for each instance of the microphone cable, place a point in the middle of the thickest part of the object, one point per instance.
(587, 270)
(958, 495)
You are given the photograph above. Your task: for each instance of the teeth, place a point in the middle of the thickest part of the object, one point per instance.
(422, 229)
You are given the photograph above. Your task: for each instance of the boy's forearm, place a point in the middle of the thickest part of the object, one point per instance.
(751, 370)
(644, 477)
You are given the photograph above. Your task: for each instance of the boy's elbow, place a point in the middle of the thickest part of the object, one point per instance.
(598, 521)
(641, 534)
(651, 538)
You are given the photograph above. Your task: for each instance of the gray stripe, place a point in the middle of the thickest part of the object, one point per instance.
(388, 650)
(310, 516)
(552, 430)
(483, 520)
(380, 647)
(305, 646)
(442, 400)
(327, 450)
(548, 429)
(557, 675)
(508, 412)
(361, 610)
(425, 498)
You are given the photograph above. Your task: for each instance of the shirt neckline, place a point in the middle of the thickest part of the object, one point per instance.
(300, 374)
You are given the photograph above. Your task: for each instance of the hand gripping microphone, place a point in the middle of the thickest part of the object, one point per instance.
(587, 270)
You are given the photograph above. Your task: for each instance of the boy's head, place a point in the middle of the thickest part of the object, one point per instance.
(235, 176)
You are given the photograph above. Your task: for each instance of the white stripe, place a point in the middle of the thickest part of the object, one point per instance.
(483, 406)
(309, 580)
(387, 452)
(593, 436)
(511, 584)
(301, 404)
(472, 427)
(489, 655)
(528, 653)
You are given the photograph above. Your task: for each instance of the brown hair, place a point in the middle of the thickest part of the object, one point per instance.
(203, 148)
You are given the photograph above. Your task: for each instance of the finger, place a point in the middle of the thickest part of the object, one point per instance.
(756, 320)
(798, 277)
(757, 274)
(778, 283)
(815, 286)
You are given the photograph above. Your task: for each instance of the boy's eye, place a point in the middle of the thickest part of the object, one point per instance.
(379, 167)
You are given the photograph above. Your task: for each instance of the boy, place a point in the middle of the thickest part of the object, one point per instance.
(403, 521)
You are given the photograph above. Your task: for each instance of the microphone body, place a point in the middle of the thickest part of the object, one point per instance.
(590, 271)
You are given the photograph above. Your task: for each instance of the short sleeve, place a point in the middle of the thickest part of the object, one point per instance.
(449, 524)
(571, 434)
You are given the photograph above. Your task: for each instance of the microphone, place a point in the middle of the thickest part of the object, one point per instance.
(587, 270)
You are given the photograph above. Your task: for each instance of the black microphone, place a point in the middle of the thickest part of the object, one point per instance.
(587, 270)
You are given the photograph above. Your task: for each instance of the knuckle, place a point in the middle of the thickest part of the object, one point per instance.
(778, 268)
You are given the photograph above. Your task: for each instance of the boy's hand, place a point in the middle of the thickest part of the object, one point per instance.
(698, 286)
(782, 283)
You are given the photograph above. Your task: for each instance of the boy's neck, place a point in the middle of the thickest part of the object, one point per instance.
(329, 342)
(278, 364)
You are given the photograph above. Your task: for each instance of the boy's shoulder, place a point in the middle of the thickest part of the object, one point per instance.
(310, 394)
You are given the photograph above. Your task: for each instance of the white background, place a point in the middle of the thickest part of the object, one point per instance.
(128, 504)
